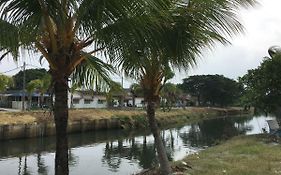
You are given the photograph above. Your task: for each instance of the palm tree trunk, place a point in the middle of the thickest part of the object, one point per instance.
(162, 155)
(61, 117)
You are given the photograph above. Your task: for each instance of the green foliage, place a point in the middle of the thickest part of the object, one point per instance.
(170, 94)
(215, 90)
(263, 85)
(42, 85)
(5, 82)
(116, 89)
(30, 74)
(136, 90)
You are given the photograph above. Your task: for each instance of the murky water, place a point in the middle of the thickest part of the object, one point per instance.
(120, 152)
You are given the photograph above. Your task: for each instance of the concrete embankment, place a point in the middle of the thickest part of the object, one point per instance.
(83, 121)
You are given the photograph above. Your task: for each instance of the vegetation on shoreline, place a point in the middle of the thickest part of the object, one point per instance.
(243, 155)
(190, 114)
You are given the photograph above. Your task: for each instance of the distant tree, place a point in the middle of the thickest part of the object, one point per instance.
(215, 90)
(30, 74)
(30, 88)
(115, 89)
(170, 94)
(263, 85)
(5, 82)
(41, 85)
(136, 91)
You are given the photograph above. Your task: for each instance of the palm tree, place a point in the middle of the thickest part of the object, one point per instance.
(41, 85)
(195, 25)
(30, 88)
(67, 33)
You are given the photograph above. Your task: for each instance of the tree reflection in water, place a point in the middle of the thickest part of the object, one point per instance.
(42, 168)
(141, 152)
(211, 132)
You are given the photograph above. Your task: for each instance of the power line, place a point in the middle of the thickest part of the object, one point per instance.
(10, 70)
(34, 66)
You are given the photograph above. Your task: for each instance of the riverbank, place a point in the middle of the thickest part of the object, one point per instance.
(243, 155)
(14, 125)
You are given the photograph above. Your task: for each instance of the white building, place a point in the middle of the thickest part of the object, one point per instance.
(86, 99)
(91, 99)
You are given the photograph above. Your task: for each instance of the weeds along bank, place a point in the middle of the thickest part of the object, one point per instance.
(15, 125)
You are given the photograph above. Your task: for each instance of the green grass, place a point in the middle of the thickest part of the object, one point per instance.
(243, 155)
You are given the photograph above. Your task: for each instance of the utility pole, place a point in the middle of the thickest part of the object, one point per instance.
(122, 81)
(23, 88)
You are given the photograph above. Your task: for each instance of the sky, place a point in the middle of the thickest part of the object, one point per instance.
(262, 30)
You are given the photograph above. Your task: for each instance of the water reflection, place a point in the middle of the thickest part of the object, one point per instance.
(211, 132)
(129, 149)
(42, 168)
(118, 152)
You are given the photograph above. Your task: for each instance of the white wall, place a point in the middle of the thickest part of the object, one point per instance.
(138, 102)
(18, 104)
(94, 101)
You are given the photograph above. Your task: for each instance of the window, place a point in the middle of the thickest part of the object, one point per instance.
(100, 101)
(87, 101)
(76, 101)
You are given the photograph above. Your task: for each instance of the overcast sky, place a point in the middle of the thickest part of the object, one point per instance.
(262, 30)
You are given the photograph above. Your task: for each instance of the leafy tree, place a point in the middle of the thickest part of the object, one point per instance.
(263, 85)
(5, 82)
(195, 25)
(115, 89)
(41, 85)
(30, 74)
(170, 95)
(67, 33)
(194, 86)
(136, 91)
(30, 88)
(215, 90)
(211, 89)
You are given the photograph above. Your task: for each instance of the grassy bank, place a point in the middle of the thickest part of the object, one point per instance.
(243, 155)
(132, 116)
(19, 125)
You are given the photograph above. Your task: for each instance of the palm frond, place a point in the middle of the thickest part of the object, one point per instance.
(93, 73)
(194, 26)
(9, 39)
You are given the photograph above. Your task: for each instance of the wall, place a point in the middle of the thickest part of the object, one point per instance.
(21, 131)
(18, 104)
(94, 101)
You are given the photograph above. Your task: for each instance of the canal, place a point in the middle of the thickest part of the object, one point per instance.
(120, 152)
